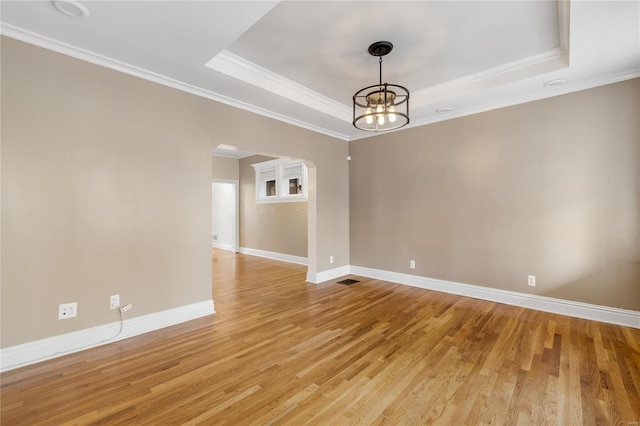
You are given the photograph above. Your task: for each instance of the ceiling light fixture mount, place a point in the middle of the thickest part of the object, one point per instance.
(383, 106)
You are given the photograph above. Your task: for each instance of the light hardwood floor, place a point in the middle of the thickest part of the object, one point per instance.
(281, 351)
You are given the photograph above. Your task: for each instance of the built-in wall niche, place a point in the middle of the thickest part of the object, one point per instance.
(280, 181)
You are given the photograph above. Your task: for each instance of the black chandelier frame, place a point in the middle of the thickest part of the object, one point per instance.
(383, 106)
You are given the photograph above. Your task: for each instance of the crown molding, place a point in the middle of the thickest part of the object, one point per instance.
(239, 68)
(275, 83)
(516, 100)
(564, 23)
(552, 60)
(116, 65)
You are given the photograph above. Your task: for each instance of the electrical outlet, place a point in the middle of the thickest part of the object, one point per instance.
(412, 264)
(67, 310)
(531, 280)
(114, 301)
(330, 259)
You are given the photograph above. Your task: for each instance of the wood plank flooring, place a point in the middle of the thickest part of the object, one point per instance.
(281, 351)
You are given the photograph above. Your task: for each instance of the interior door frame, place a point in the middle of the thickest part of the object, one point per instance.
(236, 190)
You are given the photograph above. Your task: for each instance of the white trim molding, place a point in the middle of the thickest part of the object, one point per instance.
(228, 63)
(64, 344)
(275, 256)
(588, 311)
(114, 64)
(331, 274)
(237, 67)
(222, 246)
(529, 67)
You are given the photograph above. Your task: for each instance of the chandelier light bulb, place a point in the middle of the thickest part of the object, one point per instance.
(369, 118)
(380, 112)
(392, 115)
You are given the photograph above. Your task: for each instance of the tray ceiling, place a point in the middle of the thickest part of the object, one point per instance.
(301, 62)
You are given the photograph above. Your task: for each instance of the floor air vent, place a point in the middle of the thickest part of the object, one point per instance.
(348, 281)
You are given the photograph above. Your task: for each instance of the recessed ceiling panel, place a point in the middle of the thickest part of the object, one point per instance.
(323, 45)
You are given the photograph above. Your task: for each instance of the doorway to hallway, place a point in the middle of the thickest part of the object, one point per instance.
(224, 215)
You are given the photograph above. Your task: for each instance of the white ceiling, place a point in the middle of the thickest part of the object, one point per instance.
(302, 61)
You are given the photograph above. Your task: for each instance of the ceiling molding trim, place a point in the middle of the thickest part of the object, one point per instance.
(116, 65)
(237, 67)
(551, 60)
(226, 154)
(542, 63)
(564, 27)
(557, 91)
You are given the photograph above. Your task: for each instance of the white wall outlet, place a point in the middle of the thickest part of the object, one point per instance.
(531, 280)
(114, 301)
(412, 264)
(67, 310)
(330, 259)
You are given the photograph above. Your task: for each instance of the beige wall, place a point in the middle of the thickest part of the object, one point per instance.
(548, 188)
(275, 227)
(225, 168)
(106, 189)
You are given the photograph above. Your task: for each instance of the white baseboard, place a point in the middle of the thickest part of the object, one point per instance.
(64, 344)
(331, 274)
(222, 246)
(275, 256)
(541, 303)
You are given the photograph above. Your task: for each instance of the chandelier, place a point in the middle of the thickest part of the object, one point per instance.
(383, 106)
